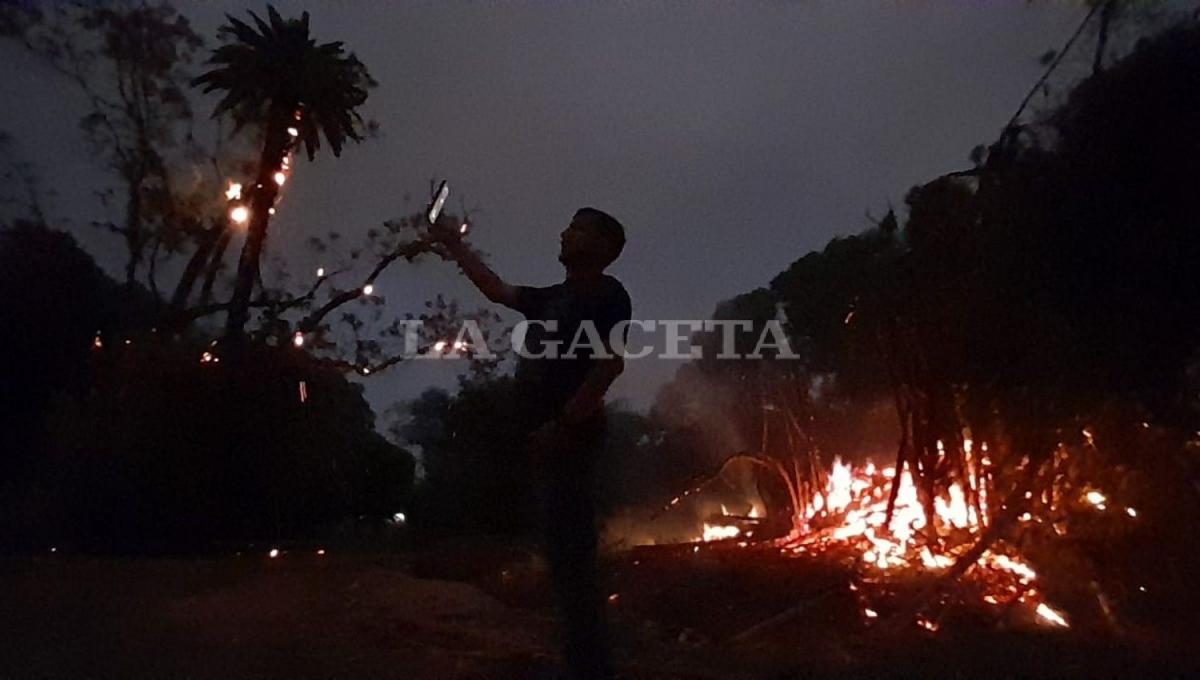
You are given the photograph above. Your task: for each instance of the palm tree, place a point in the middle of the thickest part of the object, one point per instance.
(298, 91)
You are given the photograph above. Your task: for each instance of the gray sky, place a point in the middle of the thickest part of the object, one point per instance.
(729, 138)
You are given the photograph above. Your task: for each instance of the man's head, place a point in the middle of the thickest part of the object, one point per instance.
(592, 241)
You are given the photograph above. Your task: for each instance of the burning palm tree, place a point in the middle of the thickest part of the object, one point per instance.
(278, 77)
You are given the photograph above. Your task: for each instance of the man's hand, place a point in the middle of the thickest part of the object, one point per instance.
(446, 236)
(446, 230)
(588, 400)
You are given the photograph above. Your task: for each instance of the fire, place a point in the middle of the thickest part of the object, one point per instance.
(895, 529)
(734, 527)
(717, 532)
(850, 512)
(1049, 614)
(861, 501)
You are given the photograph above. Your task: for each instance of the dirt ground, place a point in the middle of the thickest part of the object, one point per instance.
(301, 615)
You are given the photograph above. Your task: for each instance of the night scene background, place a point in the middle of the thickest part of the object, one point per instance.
(975, 221)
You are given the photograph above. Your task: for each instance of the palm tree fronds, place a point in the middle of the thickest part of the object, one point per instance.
(276, 63)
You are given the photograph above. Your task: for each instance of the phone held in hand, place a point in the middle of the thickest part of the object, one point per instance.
(439, 200)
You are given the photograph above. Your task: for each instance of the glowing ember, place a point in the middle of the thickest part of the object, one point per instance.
(1006, 563)
(280, 178)
(274, 553)
(298, 339)
(1097, 499)
(717, 532)
(1048, 614)
(292, 132)
(234, 191)
(368, 289)
(240, 214)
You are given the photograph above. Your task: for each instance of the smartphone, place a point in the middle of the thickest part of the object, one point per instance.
(439, 200)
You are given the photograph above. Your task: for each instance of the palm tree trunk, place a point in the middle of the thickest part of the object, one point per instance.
(262, 198)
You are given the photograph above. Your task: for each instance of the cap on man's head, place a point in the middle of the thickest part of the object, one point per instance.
(609, 228)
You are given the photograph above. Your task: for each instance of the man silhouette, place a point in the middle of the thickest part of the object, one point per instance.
(562, 399)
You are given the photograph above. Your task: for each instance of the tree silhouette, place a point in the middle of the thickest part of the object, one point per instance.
(131, 64)
(276, 76)
(1037, 302)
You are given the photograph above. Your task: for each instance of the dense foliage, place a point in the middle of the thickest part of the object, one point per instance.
(122, 439)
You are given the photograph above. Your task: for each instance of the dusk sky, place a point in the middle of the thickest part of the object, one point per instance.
(729, 138)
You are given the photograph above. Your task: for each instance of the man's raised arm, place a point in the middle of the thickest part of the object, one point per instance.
(487, 281)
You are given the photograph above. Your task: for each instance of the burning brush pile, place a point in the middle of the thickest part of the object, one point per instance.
(962, 543)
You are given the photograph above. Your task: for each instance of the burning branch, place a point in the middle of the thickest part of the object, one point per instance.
(699, 482)
(408, 251)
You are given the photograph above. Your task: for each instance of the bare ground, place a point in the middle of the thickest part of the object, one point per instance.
(340, 615)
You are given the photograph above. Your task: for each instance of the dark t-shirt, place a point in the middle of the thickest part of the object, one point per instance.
(546, 383)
